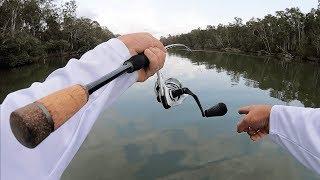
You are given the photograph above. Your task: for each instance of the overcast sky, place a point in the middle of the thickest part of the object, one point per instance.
(163, 17)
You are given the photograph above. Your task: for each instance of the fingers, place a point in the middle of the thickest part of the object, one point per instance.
(251, 131)
(139, 42)
(153, 58)
(155, 42)
(144, 74)
(161, 56)
(154, 65)
(150, 42)
(245, 110)
(255, 137)
(256, 121)
(243, 125)
(152, 48)
(259, 135)
(156, 58)
(248, 124)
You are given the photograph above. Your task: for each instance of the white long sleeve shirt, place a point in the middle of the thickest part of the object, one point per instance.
(51, 157)
(297, 130)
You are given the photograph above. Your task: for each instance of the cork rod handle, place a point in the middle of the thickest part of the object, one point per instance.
(34, 122)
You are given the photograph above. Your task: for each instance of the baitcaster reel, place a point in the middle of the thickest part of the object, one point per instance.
(170, 92)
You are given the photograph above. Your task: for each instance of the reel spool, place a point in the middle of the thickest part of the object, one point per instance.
(164, 93)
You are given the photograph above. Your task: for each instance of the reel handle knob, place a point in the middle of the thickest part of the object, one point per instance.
(217, 110)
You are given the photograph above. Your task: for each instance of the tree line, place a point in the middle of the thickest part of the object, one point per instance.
(288, 34)
(36, 28)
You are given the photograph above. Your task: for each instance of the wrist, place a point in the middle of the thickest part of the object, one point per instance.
(127, 43)
(122, 51)
(120, 48)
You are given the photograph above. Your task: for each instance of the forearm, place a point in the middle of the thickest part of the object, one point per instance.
(297, 130)
(67, 139)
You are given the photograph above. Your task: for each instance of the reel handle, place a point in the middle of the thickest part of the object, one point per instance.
(217, 110)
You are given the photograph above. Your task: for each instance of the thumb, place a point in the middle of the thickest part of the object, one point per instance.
(244, 110)
(243, 125)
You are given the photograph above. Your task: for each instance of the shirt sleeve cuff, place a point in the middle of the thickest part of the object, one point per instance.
(274, 119)
(274, 124)
(119, 48)
(118, 55)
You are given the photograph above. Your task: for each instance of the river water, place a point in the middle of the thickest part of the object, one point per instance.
(137, 139)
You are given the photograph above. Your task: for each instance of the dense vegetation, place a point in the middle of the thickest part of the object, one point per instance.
(290, 34)
(36, 28)
(31, 29)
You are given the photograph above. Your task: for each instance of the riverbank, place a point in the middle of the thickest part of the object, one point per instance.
(263, 54)
(6, 63)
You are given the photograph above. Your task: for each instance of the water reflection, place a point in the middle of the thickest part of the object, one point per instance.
(144, 141)
(157, 155)
(138, 139)
(286, 81)
(22, 77)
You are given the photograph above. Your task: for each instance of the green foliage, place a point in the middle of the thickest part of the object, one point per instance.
(57, 46)
(19, 50)
(289, 32)
(33, 28)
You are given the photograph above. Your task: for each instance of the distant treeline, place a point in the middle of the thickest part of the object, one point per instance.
(288, 34)
(36, 28)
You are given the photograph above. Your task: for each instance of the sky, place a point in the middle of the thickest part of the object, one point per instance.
(163, 17)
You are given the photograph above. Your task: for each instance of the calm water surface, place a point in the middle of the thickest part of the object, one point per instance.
(137, 139)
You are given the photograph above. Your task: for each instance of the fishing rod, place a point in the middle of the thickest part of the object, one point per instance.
(34, 122)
